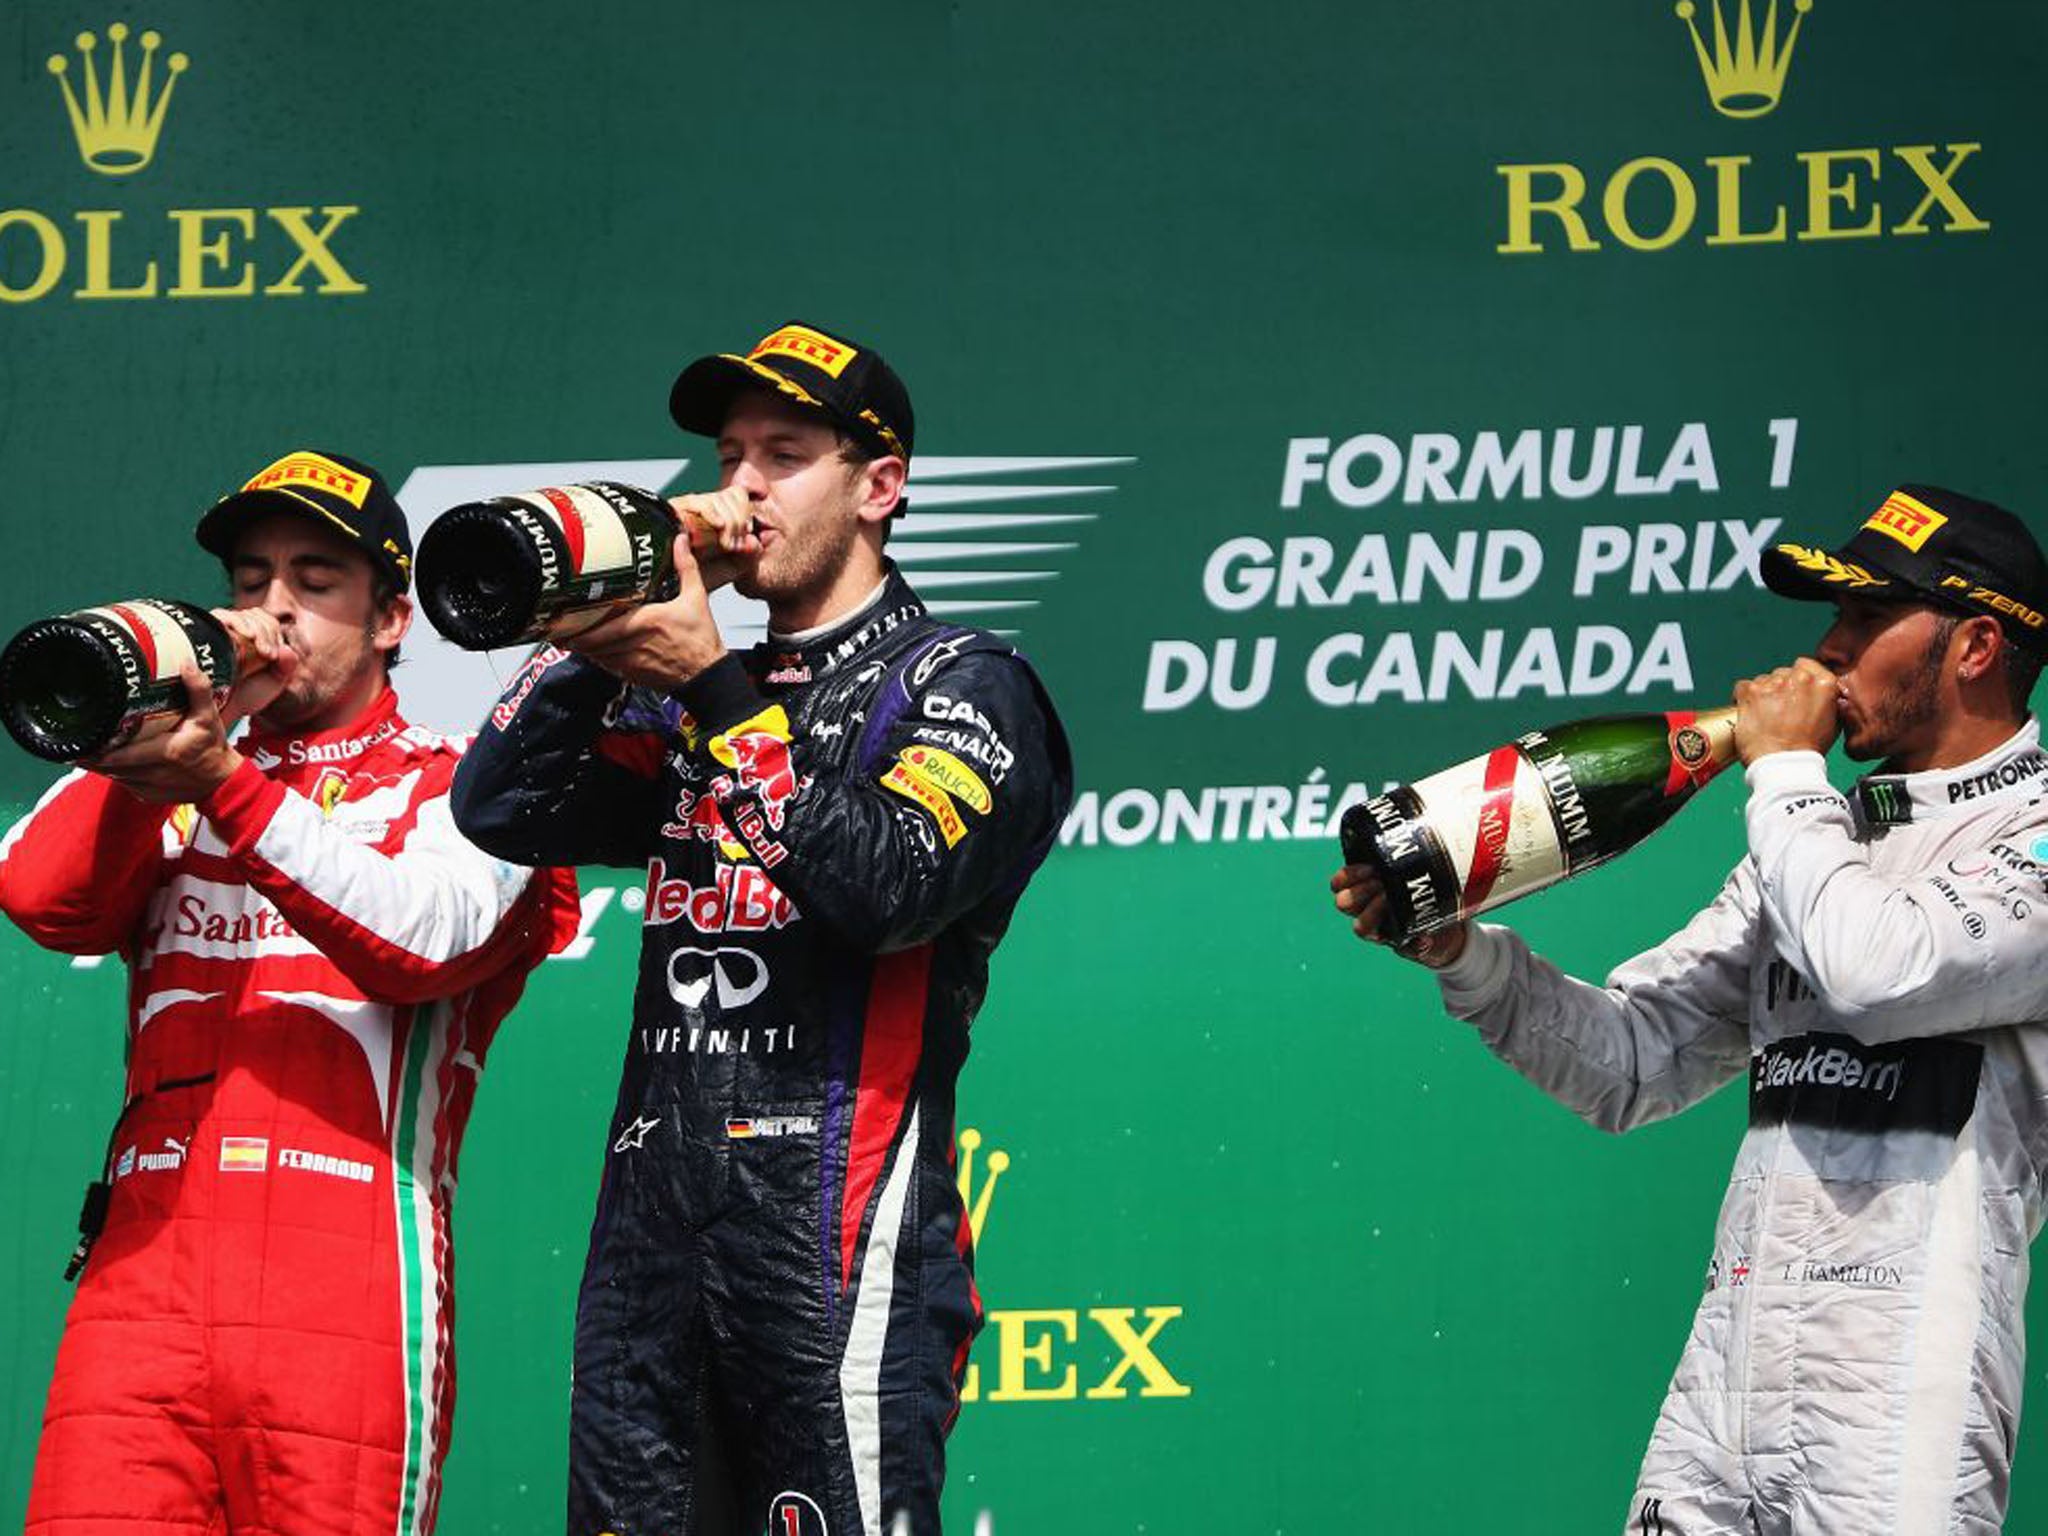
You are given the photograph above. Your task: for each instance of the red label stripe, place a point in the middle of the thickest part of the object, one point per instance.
(1676, 720)
(572, 525)
(890, 1046)
(1496, 815)
(145, 640)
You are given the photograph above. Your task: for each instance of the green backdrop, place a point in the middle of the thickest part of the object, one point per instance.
(1323, 393)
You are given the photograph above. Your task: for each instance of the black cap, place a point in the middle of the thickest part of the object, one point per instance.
(343, 494)
(848, 382)
(1929, 545)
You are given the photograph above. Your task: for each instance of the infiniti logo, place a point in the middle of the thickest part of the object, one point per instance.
(739, 975)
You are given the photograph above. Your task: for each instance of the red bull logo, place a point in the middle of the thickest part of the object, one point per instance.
(761, 763)
(697, 817)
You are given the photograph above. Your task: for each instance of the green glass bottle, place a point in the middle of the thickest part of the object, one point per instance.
(1548, 805)
(83, 682)
(515, 569)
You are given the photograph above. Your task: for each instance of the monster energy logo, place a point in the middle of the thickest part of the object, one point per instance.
(1885, 802)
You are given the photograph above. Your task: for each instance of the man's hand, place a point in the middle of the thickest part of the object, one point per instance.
(660, 645)
(1361, 897)
(1792, 709)
(729, 514)
(178, 762)
(267, 661)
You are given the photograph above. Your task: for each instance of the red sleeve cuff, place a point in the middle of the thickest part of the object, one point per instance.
(242, 807)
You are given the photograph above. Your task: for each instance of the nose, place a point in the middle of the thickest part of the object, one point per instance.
(1836, 649)
(748, 477)
(278, 601)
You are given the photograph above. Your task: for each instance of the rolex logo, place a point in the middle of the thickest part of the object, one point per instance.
(116, 98)
(1040, 1353)
(117, 125)
(977, 1202)
(1762, 195)
(1745, 75)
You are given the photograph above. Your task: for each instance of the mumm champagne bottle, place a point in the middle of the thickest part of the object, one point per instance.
(517, 568)
(76, 685)
(1549, 805)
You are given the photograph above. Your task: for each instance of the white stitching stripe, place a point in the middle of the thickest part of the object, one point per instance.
(860, 1372)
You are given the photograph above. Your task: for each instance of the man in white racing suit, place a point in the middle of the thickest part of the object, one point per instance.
(1878, 964)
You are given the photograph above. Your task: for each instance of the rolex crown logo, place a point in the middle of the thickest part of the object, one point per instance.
(117, 127)
(1745, 76)
(977, 1202)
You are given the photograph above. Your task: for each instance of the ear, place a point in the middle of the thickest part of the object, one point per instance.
(391, 624)
(1978, 646)
(881, 487)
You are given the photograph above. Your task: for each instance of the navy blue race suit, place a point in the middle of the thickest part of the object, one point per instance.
(779, 1295)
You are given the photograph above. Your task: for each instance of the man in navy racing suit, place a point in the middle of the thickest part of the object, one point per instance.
(779, 1295)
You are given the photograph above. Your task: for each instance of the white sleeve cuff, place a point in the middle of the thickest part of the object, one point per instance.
(1778, 773)
(1480, 974)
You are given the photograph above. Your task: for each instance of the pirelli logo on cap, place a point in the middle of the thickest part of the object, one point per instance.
(1997, 602)
(1909, 521)
(808, 346)
(315, 473)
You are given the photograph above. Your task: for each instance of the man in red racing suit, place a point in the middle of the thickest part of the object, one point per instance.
(317, 963)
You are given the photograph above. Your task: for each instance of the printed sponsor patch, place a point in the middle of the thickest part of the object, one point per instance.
(757, 750)
(748, 1128)
(328, 792)
(806, 345)
(315, 472)
(1905, 518)
(943, 771)
(320, 1162)
(929, 799)
(1834, 1081)
(1995, 600)
(244, 1154)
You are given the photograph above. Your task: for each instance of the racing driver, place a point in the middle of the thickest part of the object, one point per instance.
(779, 1295)
(1878, 964)
(317, 962)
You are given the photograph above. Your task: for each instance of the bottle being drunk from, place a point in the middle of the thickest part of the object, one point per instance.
(1551, 804)
(516, 569)
(81, 683)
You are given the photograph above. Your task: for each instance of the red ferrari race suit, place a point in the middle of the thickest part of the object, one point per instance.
(317, 961)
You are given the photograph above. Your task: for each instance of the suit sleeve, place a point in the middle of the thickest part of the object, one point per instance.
(954, 797)
(1668, 1029)
(78, 870)
(567, 769)
(434, 918)
(1894, 957)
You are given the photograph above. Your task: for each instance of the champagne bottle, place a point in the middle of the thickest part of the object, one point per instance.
(83, 682)
(514, 569)
(1549, 805)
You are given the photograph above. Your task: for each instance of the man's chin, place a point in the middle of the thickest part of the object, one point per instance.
(284, 713)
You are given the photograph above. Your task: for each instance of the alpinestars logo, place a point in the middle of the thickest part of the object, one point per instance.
(984, 540)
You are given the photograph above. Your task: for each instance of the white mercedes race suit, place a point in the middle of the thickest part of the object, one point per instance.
(1879, 964)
